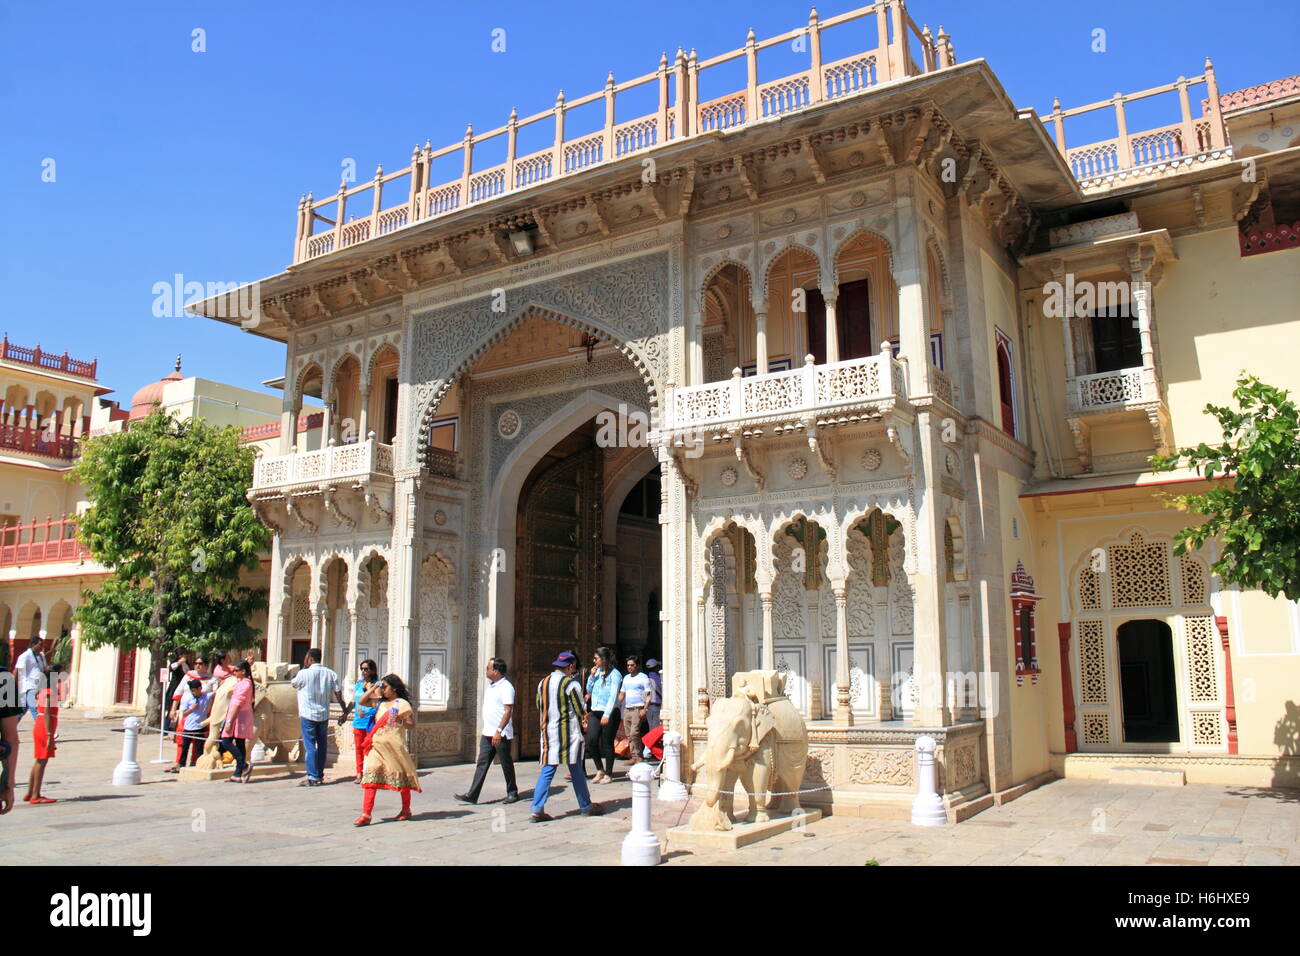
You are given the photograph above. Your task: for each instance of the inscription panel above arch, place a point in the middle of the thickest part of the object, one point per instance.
(632, 303)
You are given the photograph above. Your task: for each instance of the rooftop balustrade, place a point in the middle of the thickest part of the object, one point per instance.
(51, 361)
(900, 49)
(1131, 154)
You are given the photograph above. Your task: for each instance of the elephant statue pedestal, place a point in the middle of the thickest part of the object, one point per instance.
(275, 726)
(757, 738)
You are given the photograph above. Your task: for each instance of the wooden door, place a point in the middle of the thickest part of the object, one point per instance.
(557, 596)
(125, 693)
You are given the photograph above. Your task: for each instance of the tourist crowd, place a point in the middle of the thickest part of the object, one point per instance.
(608, 713)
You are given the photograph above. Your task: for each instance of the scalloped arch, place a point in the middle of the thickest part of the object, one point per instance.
(430, 406)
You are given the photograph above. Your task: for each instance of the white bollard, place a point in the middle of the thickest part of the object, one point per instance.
(127, 773)
(927, 808)
(671, 788)
(641, 846)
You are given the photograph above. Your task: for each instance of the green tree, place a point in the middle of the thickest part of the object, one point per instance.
(169, 516)
(1254, 509)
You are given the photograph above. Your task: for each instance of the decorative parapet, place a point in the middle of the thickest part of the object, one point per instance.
(306, 423)
(359, 460)
(902, 49)
(1255, 95)
(1148, 153)
(868, 385)
(50, 361)
(1256, 241)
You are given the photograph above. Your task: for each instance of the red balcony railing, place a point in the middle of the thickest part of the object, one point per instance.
(48, 360)
(41, 542)
(33, 441)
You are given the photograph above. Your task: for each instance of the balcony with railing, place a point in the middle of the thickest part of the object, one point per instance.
(1109, 391)
(359, 461)
(50, 361)
(835, 393)
(41, 542)
(901, 49)
(34, 439)
(1144, 153)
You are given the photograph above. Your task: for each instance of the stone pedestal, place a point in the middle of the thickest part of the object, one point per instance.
(741, 834)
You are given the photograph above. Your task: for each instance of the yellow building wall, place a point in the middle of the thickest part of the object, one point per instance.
(1218, 314)
(1264, 633)
(1000, 311)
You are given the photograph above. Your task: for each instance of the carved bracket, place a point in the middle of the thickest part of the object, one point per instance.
(372, 503)
(329, 496)
(818, 446)
(742, 455)
(690, 484)
(295, 511)
(1081, 432)
(896, 439)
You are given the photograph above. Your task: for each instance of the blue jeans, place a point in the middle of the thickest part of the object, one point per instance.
(315, 741)
(543, 789)
(29, 703)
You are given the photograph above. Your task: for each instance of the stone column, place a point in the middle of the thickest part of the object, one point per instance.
(354, 612)
(404, 579)
(914, 307)
(769, 643)
(760, 338)
(930, 644)
(699, 672)
(832, 325)
(843, 707)
(363, 413)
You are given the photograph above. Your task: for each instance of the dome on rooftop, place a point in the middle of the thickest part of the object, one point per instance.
(143, 402)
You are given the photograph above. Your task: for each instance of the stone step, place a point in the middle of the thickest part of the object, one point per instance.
(1148, 776)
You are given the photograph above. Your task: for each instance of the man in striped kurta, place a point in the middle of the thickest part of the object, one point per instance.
(563, 720)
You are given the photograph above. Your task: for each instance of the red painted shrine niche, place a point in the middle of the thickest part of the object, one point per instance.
(1023, 599)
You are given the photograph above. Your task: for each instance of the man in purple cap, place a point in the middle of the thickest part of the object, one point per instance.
(563, 720)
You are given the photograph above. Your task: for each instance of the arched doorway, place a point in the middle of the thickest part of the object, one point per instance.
(558, 573)
(1148, 692)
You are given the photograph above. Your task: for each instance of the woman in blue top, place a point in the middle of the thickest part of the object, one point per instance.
(602, 700)
(363, 717)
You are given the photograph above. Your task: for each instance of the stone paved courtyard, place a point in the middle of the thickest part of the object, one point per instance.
(274, 821)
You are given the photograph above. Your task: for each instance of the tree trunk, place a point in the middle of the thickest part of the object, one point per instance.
(154, 703)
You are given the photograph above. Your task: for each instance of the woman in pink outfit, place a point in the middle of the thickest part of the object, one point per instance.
(237, 727)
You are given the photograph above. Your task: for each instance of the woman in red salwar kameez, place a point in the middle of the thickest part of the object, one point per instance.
(388, 764)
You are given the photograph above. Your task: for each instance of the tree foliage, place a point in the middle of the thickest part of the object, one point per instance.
(169, 516)
(1254, 510)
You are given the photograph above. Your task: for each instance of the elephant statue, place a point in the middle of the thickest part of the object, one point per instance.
(275, 716)
(756, 737)
(275, 713)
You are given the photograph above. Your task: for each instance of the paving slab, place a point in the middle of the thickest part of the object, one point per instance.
(274, 821)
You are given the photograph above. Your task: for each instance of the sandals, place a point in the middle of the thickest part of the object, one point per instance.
(361, 821)
(43, 800)
(404, 815)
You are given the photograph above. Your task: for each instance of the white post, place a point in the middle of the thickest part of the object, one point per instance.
(927, 808)
(641, 846)
(127, 773)
(671, 788)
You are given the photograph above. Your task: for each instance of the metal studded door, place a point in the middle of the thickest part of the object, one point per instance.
(557, 590)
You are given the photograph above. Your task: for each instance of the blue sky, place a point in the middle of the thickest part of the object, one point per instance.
(170, 162)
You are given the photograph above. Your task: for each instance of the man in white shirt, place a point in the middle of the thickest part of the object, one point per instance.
(315, 684)
(32, 667)
(636, 695)
(497, 732)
